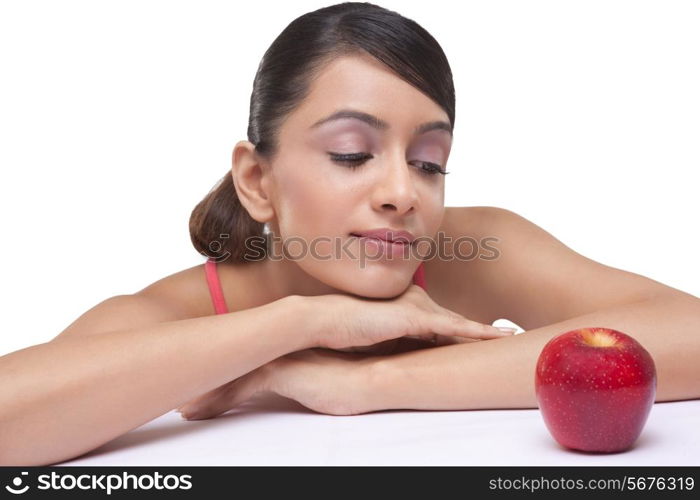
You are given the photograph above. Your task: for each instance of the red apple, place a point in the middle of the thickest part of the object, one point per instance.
(595, 388)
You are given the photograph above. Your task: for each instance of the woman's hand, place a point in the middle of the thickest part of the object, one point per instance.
(352, 321)
(324, 380)
(335, 383)
(327, 382)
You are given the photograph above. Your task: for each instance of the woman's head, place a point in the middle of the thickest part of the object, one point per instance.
(380, 66)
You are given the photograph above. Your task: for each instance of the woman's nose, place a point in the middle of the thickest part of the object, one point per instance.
(396, 188)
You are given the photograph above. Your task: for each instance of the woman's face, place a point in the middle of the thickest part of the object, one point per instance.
(320, 201)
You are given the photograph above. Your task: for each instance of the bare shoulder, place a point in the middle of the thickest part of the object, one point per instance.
(173, 298)
(463, 260)
(519, 271)
(185, 292)
(472, 219)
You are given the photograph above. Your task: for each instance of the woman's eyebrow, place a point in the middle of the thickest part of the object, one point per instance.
(379, 124)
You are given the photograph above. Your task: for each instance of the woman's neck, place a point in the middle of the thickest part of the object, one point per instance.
(283, 277)
(253, 284)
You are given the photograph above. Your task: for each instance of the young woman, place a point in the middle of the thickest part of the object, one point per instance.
(335, 274)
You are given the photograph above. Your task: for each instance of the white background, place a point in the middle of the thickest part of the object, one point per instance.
(116, 118)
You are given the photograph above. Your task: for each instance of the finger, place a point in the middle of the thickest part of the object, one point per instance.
(223, 398)
(438, 340)
(437, 308)
(449, 340)
(459, 326)
(428, 337)
(412, 344)
(214, 393)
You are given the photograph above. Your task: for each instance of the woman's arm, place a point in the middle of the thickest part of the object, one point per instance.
(500, 373)
(536, 282)
(66, 397)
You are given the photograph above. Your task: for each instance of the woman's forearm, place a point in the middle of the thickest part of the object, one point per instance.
(500, 373)
(68, 396)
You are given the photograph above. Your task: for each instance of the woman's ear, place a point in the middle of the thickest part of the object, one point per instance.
(250, 179)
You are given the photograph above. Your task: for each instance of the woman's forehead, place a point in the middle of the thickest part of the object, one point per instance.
(363, 84)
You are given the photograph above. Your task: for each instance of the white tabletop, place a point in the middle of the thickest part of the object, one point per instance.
(271, 430)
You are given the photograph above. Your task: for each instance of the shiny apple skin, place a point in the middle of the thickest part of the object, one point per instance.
(595, 399)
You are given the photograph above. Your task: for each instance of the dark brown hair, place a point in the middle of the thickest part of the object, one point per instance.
(220, 226)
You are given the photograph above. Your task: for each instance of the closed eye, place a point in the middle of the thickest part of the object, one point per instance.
(354, 160)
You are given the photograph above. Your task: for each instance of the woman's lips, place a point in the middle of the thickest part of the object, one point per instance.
(386, 234)
(378, 246)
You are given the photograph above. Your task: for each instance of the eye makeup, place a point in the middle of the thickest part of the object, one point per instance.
(348, 141)
(354, 160)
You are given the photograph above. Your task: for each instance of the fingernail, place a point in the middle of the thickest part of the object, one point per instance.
(507, 329)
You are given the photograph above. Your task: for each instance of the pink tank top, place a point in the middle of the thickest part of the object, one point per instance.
(217, 294)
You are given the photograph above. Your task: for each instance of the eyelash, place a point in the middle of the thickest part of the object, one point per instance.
(354, 160)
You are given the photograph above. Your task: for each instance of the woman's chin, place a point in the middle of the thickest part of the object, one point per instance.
(387, 287)
(376, 283)
(374, 293)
